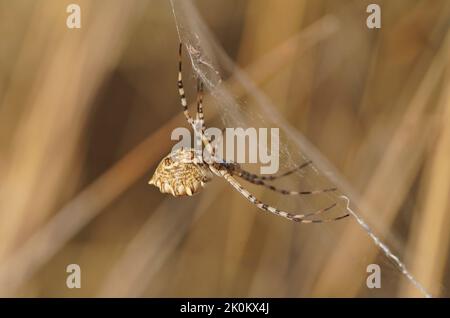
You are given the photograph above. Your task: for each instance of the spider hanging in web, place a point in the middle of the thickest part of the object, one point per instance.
(183, 172)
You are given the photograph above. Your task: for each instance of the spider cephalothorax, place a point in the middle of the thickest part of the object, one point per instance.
(181, 173)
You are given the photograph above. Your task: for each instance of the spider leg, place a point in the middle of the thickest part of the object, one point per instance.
(184, 104)
(214, 148)
(302, 218)
(282, 191)
(200, 115)
(181, 90)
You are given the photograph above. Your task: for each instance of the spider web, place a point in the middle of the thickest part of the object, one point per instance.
(213, 66)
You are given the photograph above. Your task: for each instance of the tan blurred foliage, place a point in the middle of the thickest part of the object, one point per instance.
(86, 115)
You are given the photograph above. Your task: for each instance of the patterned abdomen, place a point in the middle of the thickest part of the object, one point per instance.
(181, 173)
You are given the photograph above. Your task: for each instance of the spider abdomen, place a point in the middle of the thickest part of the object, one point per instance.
(181, 173)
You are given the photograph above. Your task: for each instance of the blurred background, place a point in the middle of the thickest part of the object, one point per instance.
(86, 116)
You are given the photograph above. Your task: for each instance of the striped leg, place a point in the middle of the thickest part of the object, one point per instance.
(184, 104)
(214, 148)
(181, 90)
(302, 218)
(189, 118)
(282, 191)
(200, 116)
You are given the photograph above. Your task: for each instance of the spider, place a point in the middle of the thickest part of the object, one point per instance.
(182, 172)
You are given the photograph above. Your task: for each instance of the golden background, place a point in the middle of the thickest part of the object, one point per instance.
(86, 115)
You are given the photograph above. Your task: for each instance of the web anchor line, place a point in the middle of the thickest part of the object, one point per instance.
(391, 256)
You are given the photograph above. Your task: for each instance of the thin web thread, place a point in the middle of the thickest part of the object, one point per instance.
(401, 266)
(388, 253)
